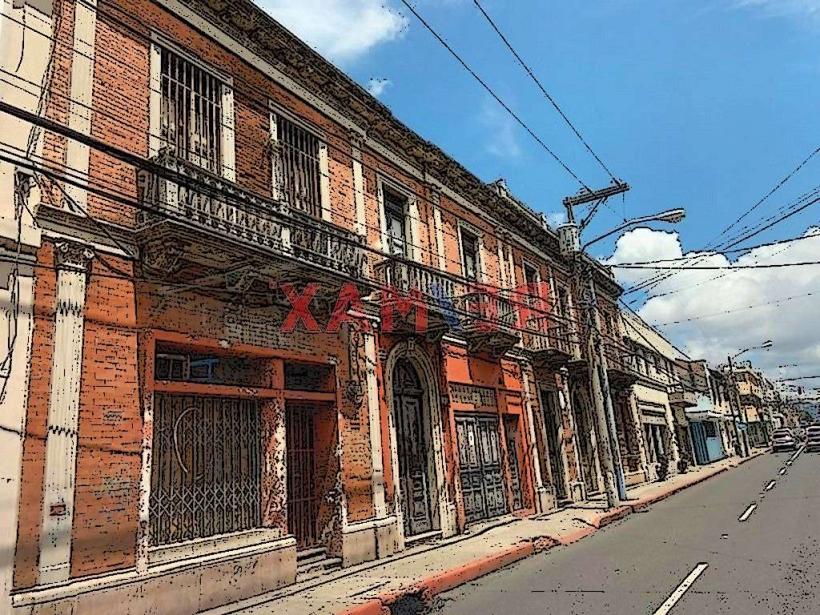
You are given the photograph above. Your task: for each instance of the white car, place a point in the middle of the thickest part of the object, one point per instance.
(813, 438)
(783, 440)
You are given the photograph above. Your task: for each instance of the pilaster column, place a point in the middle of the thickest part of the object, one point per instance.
(81, 94)
(72, 261)
(375, 425)
(544, 499)
(356, 146)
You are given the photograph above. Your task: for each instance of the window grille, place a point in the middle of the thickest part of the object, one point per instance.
(205, 469)
(191, 112)
(297, 168)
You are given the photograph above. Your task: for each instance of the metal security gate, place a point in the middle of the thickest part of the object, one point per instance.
(301, 472)
(413, 450)
(482, 483)
(205, 469)
(511, 431)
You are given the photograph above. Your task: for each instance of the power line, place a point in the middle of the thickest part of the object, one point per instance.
(734, 311)
(245, 87)
(777, 187)
(492, 93)
(694, 256)
(662, 277)
(718, 267)
(542, 88)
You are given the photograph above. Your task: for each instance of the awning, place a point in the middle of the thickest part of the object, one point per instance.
(695, 415)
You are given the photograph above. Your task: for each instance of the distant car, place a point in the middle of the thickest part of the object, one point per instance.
(813, 438)
(783, 440)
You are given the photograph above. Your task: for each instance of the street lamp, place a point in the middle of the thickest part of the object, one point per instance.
(569, 236)
(736, 396)
(671, 216)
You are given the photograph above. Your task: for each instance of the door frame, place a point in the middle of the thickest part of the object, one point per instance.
(561, 451)
(440, 505)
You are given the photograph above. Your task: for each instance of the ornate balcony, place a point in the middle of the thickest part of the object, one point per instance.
(205, 223)
(412, 289)
(678, 396)
(488, 322)
(549, 341)
(619, 366)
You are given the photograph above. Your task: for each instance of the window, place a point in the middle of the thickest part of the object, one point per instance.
(191, 112)
(709, 429)
(298, 172)
(532, 279)
(395, 207)
(469, 254)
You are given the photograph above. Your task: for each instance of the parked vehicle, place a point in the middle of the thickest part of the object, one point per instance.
(813, 438)
(783, 440)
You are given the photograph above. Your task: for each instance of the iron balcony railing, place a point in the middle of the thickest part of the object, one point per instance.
(406, 277)
(549, 333)
(199, 200)
(486, 310)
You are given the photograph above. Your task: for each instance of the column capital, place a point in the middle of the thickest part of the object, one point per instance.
(72, 255)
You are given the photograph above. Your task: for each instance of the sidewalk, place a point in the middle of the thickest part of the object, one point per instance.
(424, 571)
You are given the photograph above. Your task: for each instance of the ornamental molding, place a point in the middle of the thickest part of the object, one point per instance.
(72, 255)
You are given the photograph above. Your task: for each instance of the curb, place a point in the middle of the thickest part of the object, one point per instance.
(429, 587)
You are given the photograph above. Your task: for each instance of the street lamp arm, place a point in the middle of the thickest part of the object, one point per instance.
(673, 216)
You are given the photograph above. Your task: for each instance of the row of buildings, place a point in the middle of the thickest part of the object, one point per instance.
(254, 321)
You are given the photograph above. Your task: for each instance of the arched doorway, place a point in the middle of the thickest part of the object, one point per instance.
(584, 430)
(413, 443)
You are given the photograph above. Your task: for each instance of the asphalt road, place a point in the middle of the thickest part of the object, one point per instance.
(767, 563)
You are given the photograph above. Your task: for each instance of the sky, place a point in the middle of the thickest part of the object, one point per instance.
(701, 104)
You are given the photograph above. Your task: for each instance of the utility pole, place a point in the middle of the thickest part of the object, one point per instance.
(608, 449)
(744, 442)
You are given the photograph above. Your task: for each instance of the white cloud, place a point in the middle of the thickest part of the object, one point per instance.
(783, 8)
(342, 30)
(693, 294)
(376, 86)
(501, 137)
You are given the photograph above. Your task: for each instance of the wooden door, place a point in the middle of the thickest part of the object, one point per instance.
(413, 450)
(482, 482)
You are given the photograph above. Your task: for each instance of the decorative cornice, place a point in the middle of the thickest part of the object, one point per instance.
(264, 36)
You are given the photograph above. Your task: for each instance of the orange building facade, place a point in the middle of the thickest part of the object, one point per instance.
(273, 330)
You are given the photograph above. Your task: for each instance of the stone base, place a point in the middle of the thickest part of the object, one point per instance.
(635, 478)
(179, 588)
(369, 540)
(545, 500)
(577, 491)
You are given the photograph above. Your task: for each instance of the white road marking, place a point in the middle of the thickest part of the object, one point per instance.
(782, 471)
(789, 462)
(681, 589)
(770, 485)
(747, 513)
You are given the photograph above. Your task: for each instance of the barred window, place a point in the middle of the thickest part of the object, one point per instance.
(297, 165)
(191, 112)
(205, 468)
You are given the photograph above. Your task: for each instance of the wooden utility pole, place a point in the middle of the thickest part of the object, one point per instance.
(608, 450)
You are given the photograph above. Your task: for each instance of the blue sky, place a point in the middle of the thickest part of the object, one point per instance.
(704, 104)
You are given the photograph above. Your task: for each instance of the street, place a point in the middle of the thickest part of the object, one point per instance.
(735, 557)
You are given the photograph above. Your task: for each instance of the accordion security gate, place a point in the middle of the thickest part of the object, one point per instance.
(205, 473)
